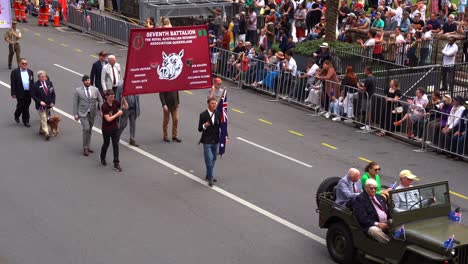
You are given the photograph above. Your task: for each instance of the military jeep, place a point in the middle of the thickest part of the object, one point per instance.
(427, 227)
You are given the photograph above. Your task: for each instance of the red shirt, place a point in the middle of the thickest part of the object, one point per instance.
(110, 110)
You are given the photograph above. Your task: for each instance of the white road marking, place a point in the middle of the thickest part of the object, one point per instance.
(275, 152)
(202, 182)
(72, 71)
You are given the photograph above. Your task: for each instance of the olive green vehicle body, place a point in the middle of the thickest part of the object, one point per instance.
(426, 230)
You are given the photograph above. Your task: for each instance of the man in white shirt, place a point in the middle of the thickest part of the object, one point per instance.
(290, 74)
(448, 60)
(111, 76)
(400, 42)
(405, 200)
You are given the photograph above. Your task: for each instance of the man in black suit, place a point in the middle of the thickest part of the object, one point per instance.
(96, 71)
(209, 125)
(43, 94)
(21, 82)
(371, 212)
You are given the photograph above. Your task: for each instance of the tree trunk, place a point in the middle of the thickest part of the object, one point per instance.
(332, 20)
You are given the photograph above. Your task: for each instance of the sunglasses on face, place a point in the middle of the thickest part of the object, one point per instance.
(377, 169)
(373, 188)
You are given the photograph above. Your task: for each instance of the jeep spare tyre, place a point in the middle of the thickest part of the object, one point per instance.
(340, 243)
(326, 186)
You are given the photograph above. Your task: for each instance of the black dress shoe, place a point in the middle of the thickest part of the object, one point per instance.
(117, 167)
(17, 120)
(166, 140)
(27, 124)
(210, 183)
(9, 67)
(90, 150)
(176, 140)
(103, 162)
(47, 137)
(85, 152)
(213, 179)
(133, 143)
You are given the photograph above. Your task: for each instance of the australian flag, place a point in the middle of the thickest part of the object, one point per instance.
(448, 244)
(455, 215)
(222, 108)
(400, 233)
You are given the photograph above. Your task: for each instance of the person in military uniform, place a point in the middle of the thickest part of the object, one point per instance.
(12, 36)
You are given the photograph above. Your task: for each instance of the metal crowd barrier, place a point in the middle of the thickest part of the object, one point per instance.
(105, 27)
(447, 141)
(399, 118)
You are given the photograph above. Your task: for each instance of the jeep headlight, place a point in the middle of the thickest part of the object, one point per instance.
(452, 252)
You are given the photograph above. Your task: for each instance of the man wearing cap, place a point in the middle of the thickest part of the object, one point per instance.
(216, 91)
(170, 105)
(403, 201)
(452, 121)
(378, 23)
(390, 23)
(96, 71)
(12, 36)
(322, 54)
(86, 100)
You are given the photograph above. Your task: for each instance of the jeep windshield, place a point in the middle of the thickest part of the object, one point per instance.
(430, 200)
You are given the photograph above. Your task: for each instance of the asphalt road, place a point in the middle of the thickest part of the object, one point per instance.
(61, 207)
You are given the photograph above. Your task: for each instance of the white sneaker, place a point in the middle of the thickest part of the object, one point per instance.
(327, 115)
(349, 121)
(338, 118)
(260, 83)
(365, 128)
(322, 112)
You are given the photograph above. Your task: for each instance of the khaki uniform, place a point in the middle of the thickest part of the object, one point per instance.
(15, 47)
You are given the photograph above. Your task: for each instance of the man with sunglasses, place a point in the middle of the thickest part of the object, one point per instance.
(371, 212)
(21, 82)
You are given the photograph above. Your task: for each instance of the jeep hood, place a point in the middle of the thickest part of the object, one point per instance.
(435, 231)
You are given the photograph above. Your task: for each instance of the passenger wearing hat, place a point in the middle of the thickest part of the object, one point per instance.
(96, 70)
(322, 54)
(87, 100)
(216, 91)
(403, 201)
(12, 37)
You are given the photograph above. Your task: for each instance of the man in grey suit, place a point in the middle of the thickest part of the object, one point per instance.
(349, 187)
(111, 76)
(86, 100)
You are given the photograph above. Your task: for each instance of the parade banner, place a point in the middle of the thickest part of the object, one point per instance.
(167, 59)
(5, 14)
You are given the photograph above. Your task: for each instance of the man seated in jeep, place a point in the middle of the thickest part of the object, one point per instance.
(409, 200)
(349, 187)
(370, 209)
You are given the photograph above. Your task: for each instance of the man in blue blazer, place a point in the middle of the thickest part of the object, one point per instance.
(21, 83)
(96, 71)
(370, 209)
(43, 94)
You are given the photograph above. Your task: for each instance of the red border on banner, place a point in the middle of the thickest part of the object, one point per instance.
(167, 59)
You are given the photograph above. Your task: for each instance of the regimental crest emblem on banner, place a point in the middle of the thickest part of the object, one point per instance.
(171, 66)
(138, 42)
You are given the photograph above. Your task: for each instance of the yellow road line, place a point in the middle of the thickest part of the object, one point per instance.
(94, 56)
(329, 146)
(265, 121)
(37, 34)
(65, 45)
(237, 111)
(49, 39)
(459, 195)
(78, 50)
(295, 133)
(188, 92)
(364, 159)
(26, 29)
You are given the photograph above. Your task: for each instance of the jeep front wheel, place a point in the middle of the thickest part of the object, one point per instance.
(340, 243)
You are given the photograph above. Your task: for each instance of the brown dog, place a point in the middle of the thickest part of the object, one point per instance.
(53, 122)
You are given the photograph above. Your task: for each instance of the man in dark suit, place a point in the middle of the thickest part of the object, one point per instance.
(21, 82)
(96, 71)
(209, 125)
(371, 212)
(170, 104)
(43, 94)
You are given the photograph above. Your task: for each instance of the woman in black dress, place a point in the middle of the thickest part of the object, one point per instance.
(390, 110)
